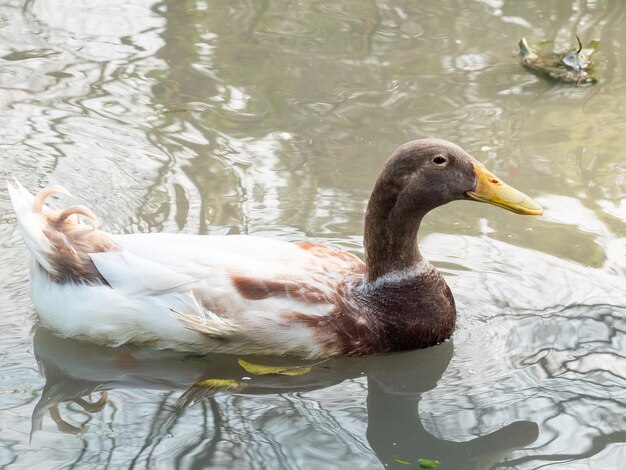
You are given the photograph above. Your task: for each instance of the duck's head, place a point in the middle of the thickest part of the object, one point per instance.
(419, 176)
(428, 173)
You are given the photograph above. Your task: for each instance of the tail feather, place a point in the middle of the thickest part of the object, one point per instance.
(59, 242)
(78, 210)
(30, 223)
(46, 192)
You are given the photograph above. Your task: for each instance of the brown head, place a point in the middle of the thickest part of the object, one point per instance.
(419, 176)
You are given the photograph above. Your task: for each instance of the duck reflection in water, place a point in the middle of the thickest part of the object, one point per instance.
(74, 371)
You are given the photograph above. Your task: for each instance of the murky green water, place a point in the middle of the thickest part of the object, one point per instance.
(274, 118)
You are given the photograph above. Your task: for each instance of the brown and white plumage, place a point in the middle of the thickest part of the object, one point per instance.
(247, 294)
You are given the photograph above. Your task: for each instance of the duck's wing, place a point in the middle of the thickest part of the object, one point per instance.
(258, 290)
(152, 264)
(230, 275)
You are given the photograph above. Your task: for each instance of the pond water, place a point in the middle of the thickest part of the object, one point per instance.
(273, 118)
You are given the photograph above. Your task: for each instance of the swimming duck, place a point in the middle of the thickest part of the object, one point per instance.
(253, 295)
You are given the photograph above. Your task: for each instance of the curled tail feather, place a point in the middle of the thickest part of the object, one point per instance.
(58, 217)
(78, 210)
(59, 240)
(43, 194)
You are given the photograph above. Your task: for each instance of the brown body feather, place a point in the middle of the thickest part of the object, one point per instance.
(415, 311)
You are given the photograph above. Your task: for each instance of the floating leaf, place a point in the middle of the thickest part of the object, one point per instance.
(593, 45)
(225, 384)
(260, 369)
(427, 463)
(403, 462)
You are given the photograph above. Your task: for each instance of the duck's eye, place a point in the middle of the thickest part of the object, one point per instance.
(440, 160)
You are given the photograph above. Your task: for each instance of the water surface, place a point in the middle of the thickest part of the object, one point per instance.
(274, 118)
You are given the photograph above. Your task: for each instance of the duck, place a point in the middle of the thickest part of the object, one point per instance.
(245, 294)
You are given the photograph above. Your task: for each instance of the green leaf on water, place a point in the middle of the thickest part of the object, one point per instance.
(260, 369)
(403, 462)
(219, 384)
(427, 463)
(594, 44)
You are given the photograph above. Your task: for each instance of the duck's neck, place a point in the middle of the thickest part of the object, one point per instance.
(390, 238)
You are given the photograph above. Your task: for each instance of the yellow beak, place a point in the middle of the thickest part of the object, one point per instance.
(493, 190)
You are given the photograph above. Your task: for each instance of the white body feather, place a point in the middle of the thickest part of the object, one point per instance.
(177, 291)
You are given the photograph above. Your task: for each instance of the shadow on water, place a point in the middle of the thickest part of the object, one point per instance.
(74, 371)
